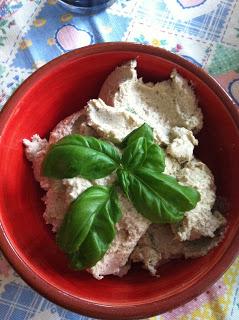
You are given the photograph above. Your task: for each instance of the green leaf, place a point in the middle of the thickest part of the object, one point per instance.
(145, 153)
(154, 155)
(89, 226)
(155, 159)
(135, 153)
(143, 131)
(156, 196)
(182, 197)
(76, 155)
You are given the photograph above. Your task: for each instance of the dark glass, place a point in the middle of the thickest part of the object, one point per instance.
(86, 6)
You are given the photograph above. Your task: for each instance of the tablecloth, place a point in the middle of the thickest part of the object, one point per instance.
(205, 32)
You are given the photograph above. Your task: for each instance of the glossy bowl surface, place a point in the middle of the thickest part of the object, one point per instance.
(56, 90)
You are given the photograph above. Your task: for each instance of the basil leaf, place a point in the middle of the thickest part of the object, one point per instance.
(143, 131)
(142, 153)
(89, 226)
(92, 143)
(135, 153)
(182, 197)
(124, 181)
(156, 197)
(146, 201)
(76, 155)
(155, 159)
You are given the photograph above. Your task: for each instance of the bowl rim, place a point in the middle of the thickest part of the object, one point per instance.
(90, 308)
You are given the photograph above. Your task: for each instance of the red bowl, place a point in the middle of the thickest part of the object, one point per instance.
(56, 90)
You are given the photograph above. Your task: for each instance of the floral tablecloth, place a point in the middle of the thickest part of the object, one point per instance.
(205, 32)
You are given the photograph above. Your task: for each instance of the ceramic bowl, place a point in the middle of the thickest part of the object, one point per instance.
(56, 90)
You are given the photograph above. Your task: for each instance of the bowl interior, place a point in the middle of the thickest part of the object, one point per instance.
(60, 91)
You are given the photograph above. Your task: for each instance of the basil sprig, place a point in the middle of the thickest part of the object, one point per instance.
(157, 196)
(89, 225)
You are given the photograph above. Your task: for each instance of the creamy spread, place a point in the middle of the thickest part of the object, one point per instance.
(126, 102)
(163, 105)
